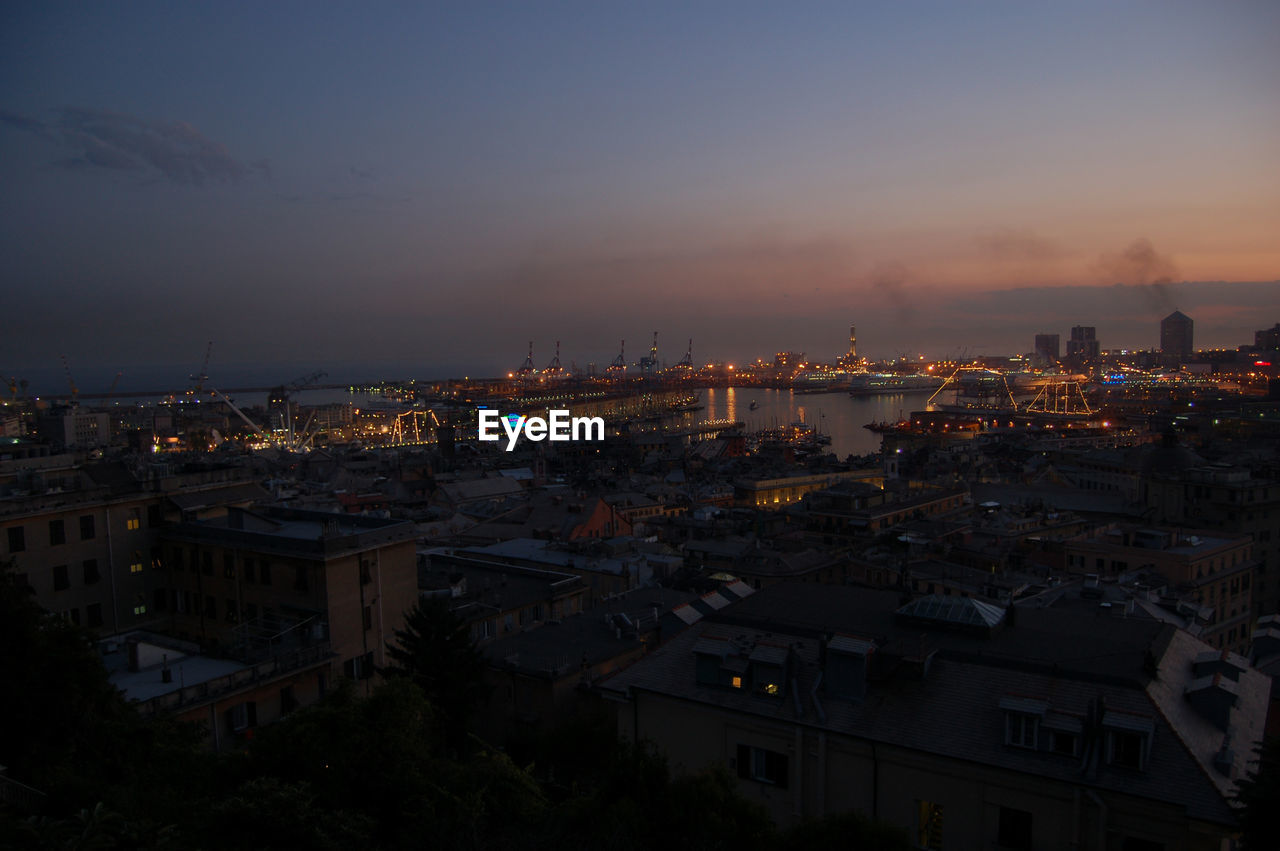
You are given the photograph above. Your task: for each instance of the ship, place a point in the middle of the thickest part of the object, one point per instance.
(883, 384)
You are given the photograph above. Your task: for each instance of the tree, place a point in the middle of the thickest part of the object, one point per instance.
(436, 651)
(69, 732)
(1258, 795)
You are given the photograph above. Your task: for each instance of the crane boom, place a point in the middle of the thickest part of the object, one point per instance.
(203, 376)
(75, 391)
(232, 405)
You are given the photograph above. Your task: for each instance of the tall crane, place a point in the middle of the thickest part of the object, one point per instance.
(232, 405)
(296, 384)
(203, 376)
(75, 391)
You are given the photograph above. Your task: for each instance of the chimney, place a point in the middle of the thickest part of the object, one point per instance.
(848, 662)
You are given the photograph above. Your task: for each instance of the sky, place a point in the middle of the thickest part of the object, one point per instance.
(421, 189)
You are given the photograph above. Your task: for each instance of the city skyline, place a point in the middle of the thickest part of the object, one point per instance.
(425, 190)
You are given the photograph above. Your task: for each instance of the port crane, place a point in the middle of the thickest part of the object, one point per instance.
(203, 376)
(294, 440)
(687, 361)
(620, 362)
(75, 391)
(232, 405)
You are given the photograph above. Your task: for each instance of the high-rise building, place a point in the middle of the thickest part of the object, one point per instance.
(1268, 339)
(853, 343)
(1048, 347)
(1175, 335)
(1083, 344)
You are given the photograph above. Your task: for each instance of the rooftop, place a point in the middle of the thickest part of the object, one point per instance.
(939, 690)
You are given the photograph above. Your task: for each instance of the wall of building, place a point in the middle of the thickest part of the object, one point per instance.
(830, 773)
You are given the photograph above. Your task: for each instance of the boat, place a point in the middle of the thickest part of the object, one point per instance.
(882, 384)
(686, 404)
(884, 426)
(753, 406)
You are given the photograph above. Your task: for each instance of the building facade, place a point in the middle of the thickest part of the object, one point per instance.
(1176, 331)
(948, 719)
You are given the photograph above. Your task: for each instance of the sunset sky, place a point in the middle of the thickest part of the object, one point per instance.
(423, 189)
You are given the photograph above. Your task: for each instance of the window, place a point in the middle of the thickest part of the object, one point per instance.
(248, 570)
(17, 539)
(91, 571)
(250, 611)
(134, 522)
(359, 668)
(1021, 729)
(157, 561)
(206, 564)
(229, 566)
(61, 581)
(140, 609)
(176, 559)
(288, 702)
(93, 614)
(763, 766)
(1125, 749)
(264, 575)
(928, 824)
(242, 716)
(1063, 743)
(210, 607)
(135, 563)
(73, 615)
(1014, 831)
(87, 531)
(300, 578)
(233, 611)
(57, 533)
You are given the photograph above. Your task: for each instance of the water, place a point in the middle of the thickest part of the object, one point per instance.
(837, 414)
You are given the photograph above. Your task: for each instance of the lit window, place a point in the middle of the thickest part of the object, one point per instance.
(140, 609)
(737, 682)
(929, 834)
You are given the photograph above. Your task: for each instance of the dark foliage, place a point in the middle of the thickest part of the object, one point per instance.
(1259, 796)
(391, 770)
(435, 650)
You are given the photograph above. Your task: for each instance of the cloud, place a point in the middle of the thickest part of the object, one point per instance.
(101, 140)
(1142, 266)
(890, 280)
(1017, 245)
